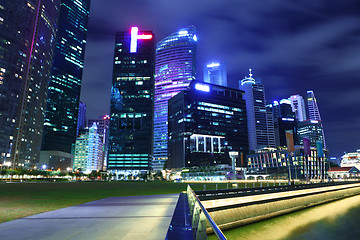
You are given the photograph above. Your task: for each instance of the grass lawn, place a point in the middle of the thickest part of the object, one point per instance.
(19, 200)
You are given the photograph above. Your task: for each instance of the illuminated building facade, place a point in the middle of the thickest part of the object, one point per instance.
(351, 159)
(215, 73)
(60, 125)
(261, 132)
(314, 113)
(81, 120)
(103, 131)
(298, 106)
(284, 120)
(206, 121)
(27, 32)
(132, 99)
(175, 68)
(88, 151)
(312, 130)
(294, 165)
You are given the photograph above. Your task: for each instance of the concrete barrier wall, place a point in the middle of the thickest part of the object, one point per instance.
(227, 217)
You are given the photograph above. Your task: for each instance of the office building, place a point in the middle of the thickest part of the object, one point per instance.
(132, 100)
(26, 46)
(259, 122)
(88, 151)
(60, 125)
(294, 165)
(215, 73)
(314, 113)
(81, 119)
(206, 122)
(298, 106)
(103, 130)
(284, 120)
(312, 130)
(175, 68)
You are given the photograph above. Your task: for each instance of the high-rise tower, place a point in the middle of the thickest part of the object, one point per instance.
(60, 125)
(27, 33)
(132, 99)
(298, 106)
(215, 73)
(314, 113)
(175, 68)
(260, 134)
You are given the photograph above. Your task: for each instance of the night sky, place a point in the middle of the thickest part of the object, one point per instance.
(292, 46)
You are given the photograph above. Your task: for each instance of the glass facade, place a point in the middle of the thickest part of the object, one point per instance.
(260, 124)
(295, 165)
(206, 122)
(60, 125)
(215, 73)
(132, 99)
(27, 39)
(175, 68)
(310, 129)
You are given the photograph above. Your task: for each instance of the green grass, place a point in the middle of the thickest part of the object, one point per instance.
(19, 200)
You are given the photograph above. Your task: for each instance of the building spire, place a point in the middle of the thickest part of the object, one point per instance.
(250, 74)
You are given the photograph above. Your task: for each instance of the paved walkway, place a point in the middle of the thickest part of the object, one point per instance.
(135, 217)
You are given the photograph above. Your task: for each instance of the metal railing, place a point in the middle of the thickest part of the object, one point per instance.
(236, 192)
(199, 217)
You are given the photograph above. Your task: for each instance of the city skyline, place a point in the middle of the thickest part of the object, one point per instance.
(292, 47)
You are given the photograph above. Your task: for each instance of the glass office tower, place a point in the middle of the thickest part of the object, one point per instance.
(132, 99)
(60, 125)
(27, 33)
(260, 124)
(206, 122)
(215, 73)
(175, 68)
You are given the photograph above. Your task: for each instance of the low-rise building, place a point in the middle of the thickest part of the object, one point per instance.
(344, 172)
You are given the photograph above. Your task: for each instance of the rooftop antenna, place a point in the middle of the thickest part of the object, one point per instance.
(250, 74)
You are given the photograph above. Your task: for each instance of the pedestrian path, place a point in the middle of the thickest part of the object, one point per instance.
(134, 217)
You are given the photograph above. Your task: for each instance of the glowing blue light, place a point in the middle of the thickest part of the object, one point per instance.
(287, 101)
(288, 119)
(213, 65)
(202, 87)
(43, 167)
(314, 121)
(183, 33)
(195, 38)
(276, 103)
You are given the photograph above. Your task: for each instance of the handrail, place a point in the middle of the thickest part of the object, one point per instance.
(228, 193)
(199, 215)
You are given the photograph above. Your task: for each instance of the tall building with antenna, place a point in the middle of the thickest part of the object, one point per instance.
(260, 128)
(175, 68)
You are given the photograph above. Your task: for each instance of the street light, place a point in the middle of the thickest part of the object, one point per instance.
(233, 155)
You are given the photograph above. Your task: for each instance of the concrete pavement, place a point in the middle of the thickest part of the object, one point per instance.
(135, 217)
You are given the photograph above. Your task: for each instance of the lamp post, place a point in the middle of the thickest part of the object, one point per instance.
(233, 155)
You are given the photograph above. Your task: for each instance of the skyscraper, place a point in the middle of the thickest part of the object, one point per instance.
(60, 125)
(314, 113)
(284, 120)
(215, 73)
(260, 134)
(175, 68)
(132, 99)
(298, 106)
(206, 122)
(27, 34)
(88, 151)
(81, 120)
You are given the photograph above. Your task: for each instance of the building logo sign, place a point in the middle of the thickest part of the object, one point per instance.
(135, 36)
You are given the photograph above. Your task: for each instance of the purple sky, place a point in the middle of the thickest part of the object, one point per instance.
(292, 46)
